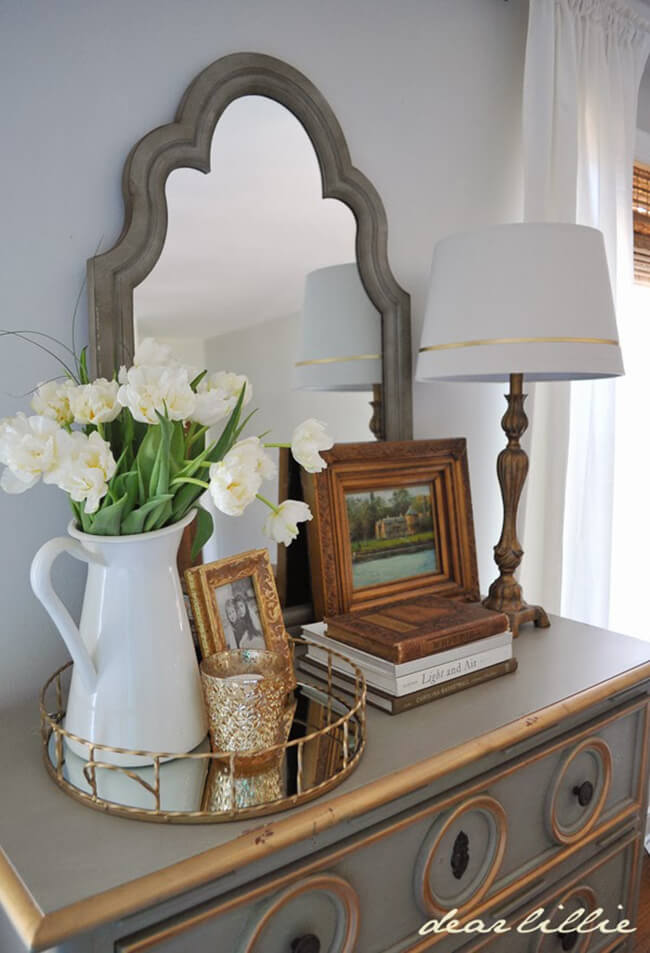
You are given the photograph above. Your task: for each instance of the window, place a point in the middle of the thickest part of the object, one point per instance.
(641, 209)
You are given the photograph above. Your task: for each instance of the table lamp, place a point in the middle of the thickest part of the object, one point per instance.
(510, 301)
(340, 347)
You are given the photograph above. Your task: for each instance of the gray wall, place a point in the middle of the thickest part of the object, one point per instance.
(428, 95)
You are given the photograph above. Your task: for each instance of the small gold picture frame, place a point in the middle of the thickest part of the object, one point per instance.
(236, 605)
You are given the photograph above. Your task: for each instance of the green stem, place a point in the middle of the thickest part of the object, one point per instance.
(272, 506)
(23, 337)
(286, 446)
(193, 437)
(180, 480)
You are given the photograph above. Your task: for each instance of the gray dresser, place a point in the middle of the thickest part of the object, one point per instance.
(527, 792)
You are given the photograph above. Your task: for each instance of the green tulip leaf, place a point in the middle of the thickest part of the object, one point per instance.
(135, 521)
(106, 521)
(204, 526)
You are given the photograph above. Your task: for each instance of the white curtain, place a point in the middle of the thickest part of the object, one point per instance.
(584, 61)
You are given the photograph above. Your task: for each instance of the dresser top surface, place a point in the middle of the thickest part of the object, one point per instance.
(65, 853)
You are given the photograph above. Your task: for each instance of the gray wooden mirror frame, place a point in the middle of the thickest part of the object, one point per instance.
(185, 142)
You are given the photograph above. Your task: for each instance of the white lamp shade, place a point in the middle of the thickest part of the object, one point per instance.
(523, 298)
(340, 346)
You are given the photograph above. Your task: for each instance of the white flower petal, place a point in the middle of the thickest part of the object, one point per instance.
(152, 353)
(85, 465)
(233, 487)
(52, 400)
(95, 403)
(308, 439)
(28, 449)
(217, 395)
(282, 526)
(11, 483)
(157, 388)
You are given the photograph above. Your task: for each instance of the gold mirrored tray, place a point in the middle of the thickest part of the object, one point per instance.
(325, 740)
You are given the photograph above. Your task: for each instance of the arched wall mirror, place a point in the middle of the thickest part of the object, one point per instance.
(251, 243)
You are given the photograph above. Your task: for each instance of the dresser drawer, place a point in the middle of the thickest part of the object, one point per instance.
(532, 815)
(539, 816)
(604, 884)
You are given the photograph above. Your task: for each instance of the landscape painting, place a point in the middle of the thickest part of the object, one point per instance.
(392, 535)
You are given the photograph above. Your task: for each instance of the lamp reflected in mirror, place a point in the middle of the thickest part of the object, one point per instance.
(227, 291)
(340, 342)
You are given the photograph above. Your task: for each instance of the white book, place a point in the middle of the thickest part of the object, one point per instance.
(317, 632)
(434, 675)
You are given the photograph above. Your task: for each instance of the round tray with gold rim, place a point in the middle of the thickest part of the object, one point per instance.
(325, 732)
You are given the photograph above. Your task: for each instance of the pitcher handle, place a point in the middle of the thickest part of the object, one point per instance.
(41, 581)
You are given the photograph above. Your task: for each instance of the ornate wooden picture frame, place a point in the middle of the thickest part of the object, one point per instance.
(390, 521)
(235, 604)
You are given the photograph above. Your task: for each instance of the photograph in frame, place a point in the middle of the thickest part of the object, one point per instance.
(235, 605)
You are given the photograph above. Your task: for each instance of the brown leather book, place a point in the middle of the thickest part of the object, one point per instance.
(392, 704)
(415, 628)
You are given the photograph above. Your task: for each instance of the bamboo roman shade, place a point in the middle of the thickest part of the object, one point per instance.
(641, 209)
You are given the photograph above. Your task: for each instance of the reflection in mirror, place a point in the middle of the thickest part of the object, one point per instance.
(227, 292)
(203, 784)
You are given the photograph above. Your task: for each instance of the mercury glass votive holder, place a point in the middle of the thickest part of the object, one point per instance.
(245, 693)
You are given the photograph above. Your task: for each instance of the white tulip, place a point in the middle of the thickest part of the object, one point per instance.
(84, 466)
(217, 395)
(149, 389)
(233, 487)
(250, 454)
(52, 400)
(27, 449)
(95, 403)
(235, 480)
(153, 354)
(308, 438)
(282, 524)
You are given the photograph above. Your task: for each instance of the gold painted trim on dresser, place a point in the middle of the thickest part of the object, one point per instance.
(26, 915)
(183, 922)
(482, 803)
(346, 893)
(551, 895)
(53, 928)
(587, 894)
(595, 744)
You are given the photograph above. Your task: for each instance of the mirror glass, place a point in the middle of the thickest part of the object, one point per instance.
(228, 290)
(203, 784)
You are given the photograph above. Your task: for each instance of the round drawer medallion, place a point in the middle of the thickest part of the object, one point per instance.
(579, 790)
(461, 856)
(317, 915)
(579, 898)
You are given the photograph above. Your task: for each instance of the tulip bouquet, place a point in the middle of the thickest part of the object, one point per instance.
(132, 452)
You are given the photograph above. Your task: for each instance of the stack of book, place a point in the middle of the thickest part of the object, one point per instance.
(412, 652)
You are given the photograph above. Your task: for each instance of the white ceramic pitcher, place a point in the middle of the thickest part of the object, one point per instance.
(135, 681)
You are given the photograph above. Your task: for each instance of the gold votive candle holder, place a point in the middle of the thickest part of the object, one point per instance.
(245, 693)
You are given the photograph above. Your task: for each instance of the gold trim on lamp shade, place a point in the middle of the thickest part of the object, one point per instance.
(339, 360)
(537, 340)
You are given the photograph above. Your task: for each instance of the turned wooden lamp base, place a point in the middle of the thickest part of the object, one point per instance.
(512, 467)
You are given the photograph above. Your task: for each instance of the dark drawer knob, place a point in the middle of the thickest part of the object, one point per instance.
(569, 940)
(306, 944)
(584, 792)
